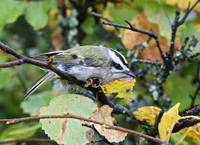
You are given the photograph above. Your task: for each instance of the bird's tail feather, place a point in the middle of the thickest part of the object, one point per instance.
(46, 77)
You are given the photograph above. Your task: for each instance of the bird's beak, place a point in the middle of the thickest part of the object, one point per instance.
(129, 74)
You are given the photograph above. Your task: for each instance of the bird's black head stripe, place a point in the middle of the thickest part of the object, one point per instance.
(121, 57)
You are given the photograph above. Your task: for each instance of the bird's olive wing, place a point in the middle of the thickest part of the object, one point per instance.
(91, 62)
(84, 55)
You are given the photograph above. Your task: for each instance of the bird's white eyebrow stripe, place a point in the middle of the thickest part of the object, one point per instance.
(122, 58)
(117, 59)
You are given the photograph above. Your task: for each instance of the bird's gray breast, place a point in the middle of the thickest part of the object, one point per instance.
(82, 72)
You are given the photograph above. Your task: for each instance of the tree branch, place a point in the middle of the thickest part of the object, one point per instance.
(12, 63)
(21, 59)
(108, 126)
(185, 123)
(10, 51)
(45, 64)
(195, 110)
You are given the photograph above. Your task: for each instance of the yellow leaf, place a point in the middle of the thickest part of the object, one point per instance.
(123, 88)
(171, 2)
(147, 114)
(167, 122)
(183, 4)
(192, 131)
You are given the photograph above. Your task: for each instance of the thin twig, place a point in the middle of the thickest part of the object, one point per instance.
(176, 24)
(108, 126)
(12, 63)
(10, 51)
(188, 11)
(100, 16)
(174, 28)
(185, 42)
(132, 28)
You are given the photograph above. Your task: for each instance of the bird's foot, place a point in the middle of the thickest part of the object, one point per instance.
(94, 82)
(50, 59)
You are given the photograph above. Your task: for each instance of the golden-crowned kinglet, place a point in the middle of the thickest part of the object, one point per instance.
(85, 62)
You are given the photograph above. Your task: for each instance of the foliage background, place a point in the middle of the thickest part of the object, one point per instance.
(37, 26)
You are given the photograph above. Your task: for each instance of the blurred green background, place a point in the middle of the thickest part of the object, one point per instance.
(32, 27)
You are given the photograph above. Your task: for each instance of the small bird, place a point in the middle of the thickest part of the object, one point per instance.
(85, 63)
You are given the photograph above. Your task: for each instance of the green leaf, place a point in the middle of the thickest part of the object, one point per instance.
(3, 57)
(88, 26)
(5, 77)
(37, 13)
(162, 18)
(19, 131)
(67, 131)
(179, 90)
(161, 14)
(122, 12)
(176, 137)
(35, 102)
(49, 4)
(100, 35)
(10, 10)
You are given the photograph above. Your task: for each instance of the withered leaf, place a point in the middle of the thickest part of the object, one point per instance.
(104, 115)
(134, 40)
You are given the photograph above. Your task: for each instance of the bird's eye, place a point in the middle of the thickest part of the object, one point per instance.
(117, 66)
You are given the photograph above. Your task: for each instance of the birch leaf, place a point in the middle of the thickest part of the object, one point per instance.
(67, 131)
